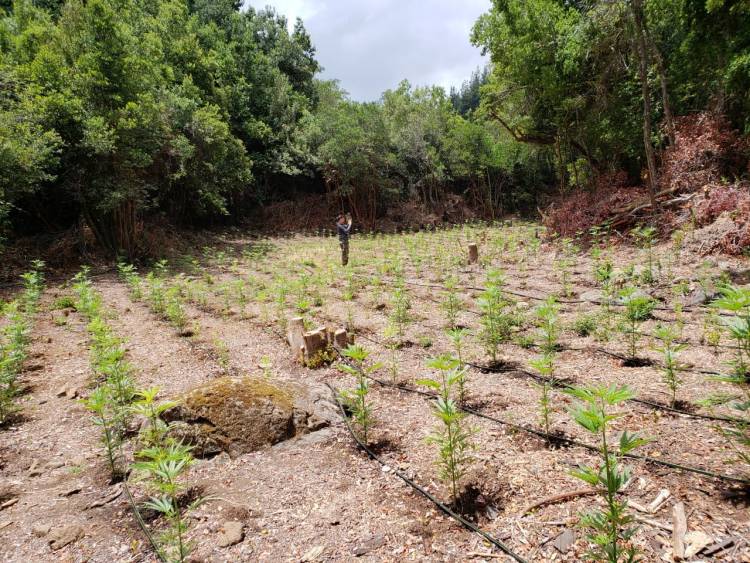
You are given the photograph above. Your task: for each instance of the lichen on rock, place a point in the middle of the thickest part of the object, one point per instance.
(241, 415)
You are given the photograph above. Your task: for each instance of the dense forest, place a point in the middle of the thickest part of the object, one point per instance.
(116, 113)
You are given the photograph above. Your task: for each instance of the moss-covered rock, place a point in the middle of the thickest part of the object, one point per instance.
(243, 415)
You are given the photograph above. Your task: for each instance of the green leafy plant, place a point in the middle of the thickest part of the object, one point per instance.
(162, 469)
(174, 310)
(452, 374)
(611, 529)
(736, 300)
(453, 440)
(638, 308)
(357, 399)
(400, 317)
(667, 336)
(129, 275)
(15, 337)
(145, 405)
(452, 303)
(585, 324)
(547, 321)
(644, 237)
(545, 365)
(496, 322)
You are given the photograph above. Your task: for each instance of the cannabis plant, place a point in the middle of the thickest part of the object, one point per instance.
(162, 469)
(638, 308)
(457, 336)
(146, 406)
(496, 322)
(610, 527)
(452, 374)
(108, 418)
(400, 317)
(357, 399)
(451, 304)
(393, 344)
(546, 367)
(174, 310)
(737, 301)
(670, 349)
(453, 440)
(547, 320)
(130, 276)
(644, 237)
(14, 339)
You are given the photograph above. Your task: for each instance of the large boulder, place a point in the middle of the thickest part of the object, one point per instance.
(241, 415)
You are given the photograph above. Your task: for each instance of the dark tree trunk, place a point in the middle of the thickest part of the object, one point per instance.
(636, 8)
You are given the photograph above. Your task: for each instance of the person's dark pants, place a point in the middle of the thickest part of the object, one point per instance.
(344, 244)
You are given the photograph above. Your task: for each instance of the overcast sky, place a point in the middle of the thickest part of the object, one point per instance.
(371, 45)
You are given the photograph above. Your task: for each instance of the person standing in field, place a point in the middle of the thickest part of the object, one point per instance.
(343, 226)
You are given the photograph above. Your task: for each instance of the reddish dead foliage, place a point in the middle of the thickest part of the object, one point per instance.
(579, 211)
(707, 150)
(694, 177)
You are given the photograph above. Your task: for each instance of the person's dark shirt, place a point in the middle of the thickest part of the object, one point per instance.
(343, 231)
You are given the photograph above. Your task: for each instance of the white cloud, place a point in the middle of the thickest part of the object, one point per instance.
(371, 45)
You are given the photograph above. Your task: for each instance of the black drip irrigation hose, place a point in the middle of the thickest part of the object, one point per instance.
(516, 293)
(142, 524)
(562, 385)
(554, 438)
(443, 507)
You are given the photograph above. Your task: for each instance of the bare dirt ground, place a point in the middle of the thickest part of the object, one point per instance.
(319, 498)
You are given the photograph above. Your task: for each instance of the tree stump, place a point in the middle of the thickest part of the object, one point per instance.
(315, 341)
(295, 331)
(340, 338)
(473, 253)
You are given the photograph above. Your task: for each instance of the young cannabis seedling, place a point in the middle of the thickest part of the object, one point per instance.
(130, 276)
(546, 367)
(644, 237)
(15, 336)
(453, 440)
(737, 300)
(610, 527)
(146, 406)
(107, 417)
(667, 336)
(497, 323)
(357, 400)
(638, 308)
(547, 321)
(452, 303)
(162, 468)
(452, 374)
(400, 317)
(392, 343)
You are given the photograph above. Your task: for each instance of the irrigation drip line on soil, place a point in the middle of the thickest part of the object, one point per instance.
(553, 438)
(442, 506)
(517, 293)
(142, 524)
(555, 382)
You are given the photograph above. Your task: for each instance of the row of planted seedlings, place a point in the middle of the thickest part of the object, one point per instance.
(611, 528)
(305, 295)
(498, 321)
(635, 306)
(152, 459)
(15, 337)
(167, 296)
(359, 392)
(453, 439)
